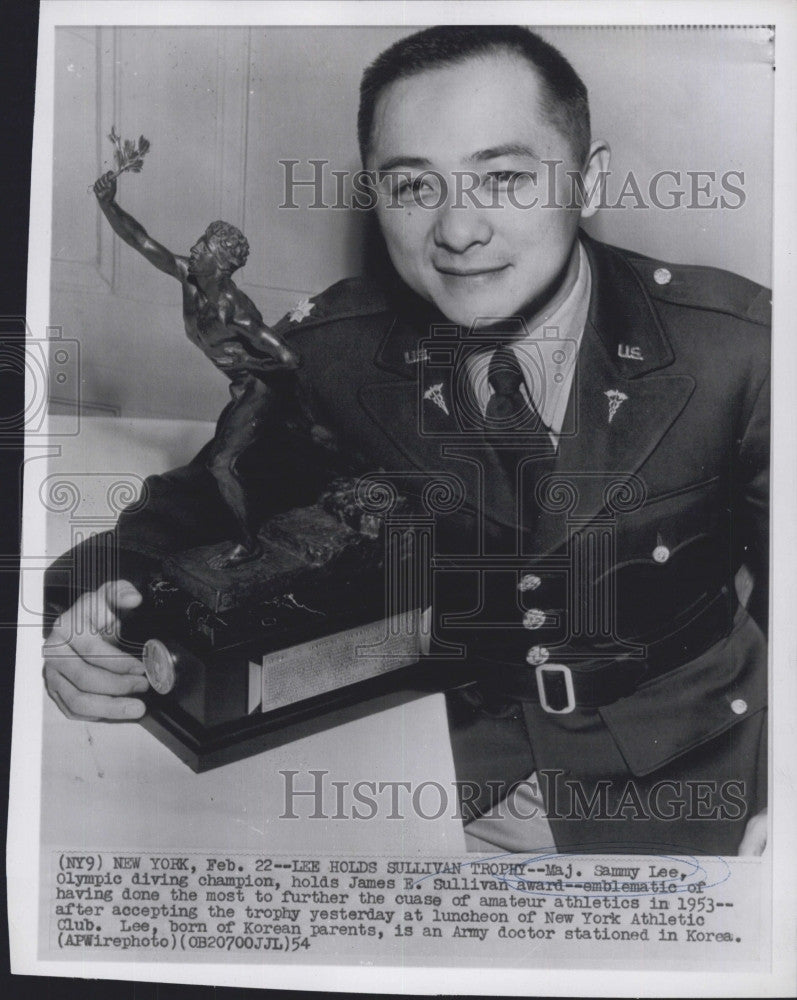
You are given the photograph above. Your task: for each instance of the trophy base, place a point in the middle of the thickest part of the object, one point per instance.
(248, 657)
(304, 545)
(204, 747)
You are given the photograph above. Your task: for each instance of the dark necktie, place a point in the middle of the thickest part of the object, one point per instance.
(508, 409)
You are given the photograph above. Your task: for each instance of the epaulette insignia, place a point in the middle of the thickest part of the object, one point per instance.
(343, 300)
(301, 310)
(707, 288)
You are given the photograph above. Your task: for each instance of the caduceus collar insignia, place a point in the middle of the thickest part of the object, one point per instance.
(616, 399)
(435, 394)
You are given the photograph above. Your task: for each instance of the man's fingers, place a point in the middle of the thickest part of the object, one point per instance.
(59, 701)
(118, 595)
(62, 644)
(94, 679)
(86, 672)
(78, 704)
(97, 612)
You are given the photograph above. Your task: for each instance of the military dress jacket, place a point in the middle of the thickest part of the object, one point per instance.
(596, 590)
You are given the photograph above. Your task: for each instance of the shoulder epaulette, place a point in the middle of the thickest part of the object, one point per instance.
(345, 299)
(701, 287)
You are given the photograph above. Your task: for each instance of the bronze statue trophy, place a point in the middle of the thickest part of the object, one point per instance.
(226, 326)
(283, 631)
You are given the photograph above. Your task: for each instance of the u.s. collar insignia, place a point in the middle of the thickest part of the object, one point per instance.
(630, 352)
(616, 399)
(301, 310)
(435, 394)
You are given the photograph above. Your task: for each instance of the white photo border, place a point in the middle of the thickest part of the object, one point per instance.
(25, 776)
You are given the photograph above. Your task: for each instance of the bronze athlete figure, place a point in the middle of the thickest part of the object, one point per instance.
(226, 325)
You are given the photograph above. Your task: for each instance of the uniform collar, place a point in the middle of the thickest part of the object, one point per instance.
(623, 315)
(414, 321)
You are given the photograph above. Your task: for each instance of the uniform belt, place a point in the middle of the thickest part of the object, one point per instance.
(561, 686)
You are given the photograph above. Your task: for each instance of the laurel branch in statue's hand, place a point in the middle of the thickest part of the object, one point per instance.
(105, 187)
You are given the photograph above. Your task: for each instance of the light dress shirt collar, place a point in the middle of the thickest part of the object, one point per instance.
(549, 353)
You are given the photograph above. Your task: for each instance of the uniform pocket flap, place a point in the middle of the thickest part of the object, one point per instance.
(692, 704)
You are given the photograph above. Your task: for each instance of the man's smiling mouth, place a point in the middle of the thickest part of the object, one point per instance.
(469, 272)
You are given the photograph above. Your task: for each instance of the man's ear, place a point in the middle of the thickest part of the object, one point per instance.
(594, 177)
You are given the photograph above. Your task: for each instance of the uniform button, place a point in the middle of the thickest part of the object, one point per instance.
(661, 553)
(662, 276)
(537, 655)
(529, 582)
(534, 618)
(739, 706)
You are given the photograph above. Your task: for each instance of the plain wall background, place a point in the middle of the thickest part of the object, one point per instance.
(222, 106)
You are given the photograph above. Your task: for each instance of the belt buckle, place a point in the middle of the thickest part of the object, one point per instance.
(560, 668)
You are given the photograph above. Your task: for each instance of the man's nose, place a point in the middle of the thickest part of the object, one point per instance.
(460, 225)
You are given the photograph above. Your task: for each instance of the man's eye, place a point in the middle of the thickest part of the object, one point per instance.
(416, 188)
(505, 178)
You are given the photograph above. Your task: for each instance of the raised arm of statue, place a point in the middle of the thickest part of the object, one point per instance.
(262, 338)
(133, 233)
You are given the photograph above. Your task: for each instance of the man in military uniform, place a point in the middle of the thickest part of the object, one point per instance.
(605, 418)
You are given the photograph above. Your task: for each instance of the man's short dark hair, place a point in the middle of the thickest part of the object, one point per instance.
(230, 245)
(564, 93)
